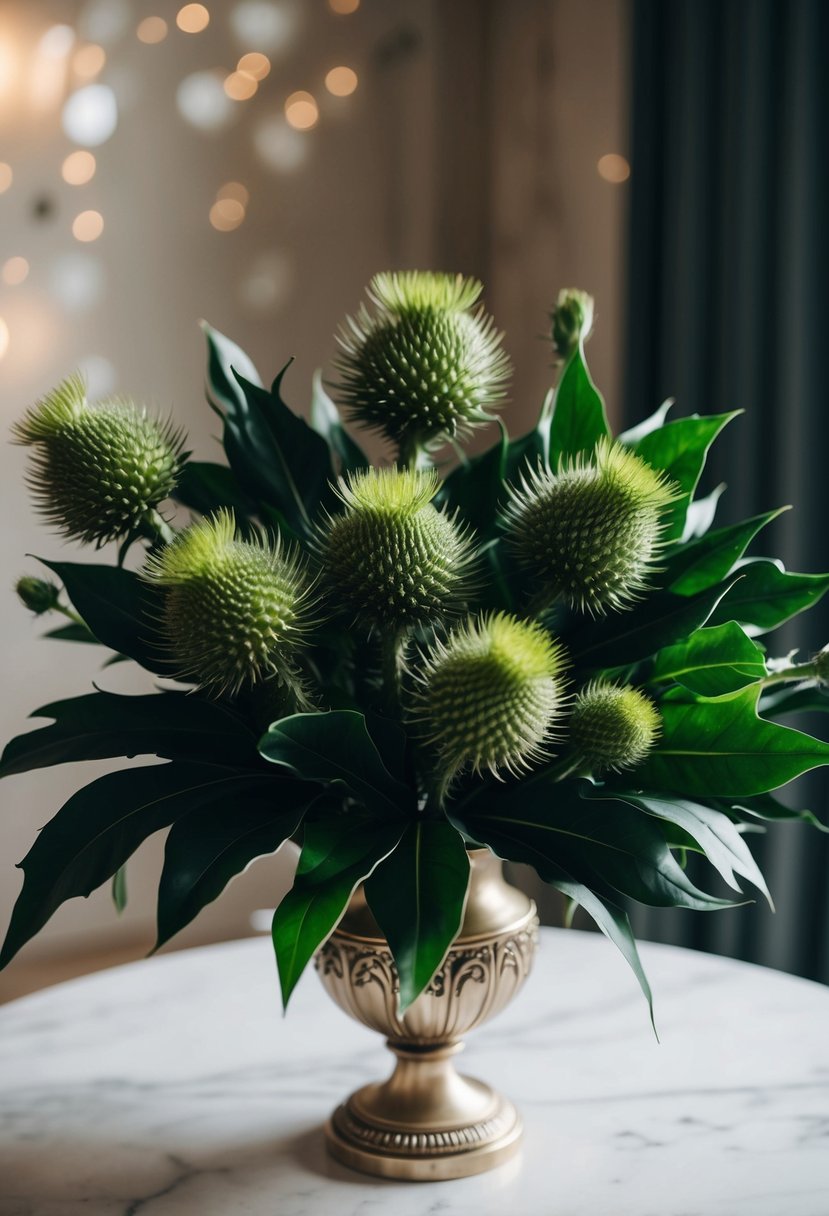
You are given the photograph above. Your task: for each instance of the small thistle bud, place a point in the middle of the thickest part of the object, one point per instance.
(97, 473)
(235, 611)
(424, 365)
(612, 727)
(488, 697)
(572, 320)
(391, 559)
(37, 594)
(591, 532)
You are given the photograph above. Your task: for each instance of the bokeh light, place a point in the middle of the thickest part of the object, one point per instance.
(302, 111)
(87, 226)
(88, 61)
(203, 102)
(77, 281)
(78, 168)
(90, 116)
(341, 82)
(193, 18)
(99, 374)
(15, 271)
(6, 176)
(240, 86)
(234, 190)
(105, 21)
(255, 64)
(343, 7)
(46, 79)
(4, 338)
(151, 30)
(264, 25)
(226, 214)
(8, 67)
(267, 283)
(613, 168)
(279, 146)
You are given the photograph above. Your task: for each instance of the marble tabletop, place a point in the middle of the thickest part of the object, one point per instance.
(174, 1087)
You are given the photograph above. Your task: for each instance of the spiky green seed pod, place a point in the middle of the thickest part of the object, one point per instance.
(37, 594)
(97, 473)
(424, 364)
(590, 533)
(489, 696)
(612, 727)
(391, 559)
(571, 320)
(235, 611)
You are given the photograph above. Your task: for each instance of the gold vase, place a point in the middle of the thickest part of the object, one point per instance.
(427, 1122)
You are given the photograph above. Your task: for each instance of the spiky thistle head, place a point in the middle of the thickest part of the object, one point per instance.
(488, 697)
(235, 611)
(424, 363)
(97, 472)
(591, 532)
(612, 726)
(390, 558)
(571, 320)
(37, 594)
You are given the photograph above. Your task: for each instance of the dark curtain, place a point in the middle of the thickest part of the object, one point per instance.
(728, 271)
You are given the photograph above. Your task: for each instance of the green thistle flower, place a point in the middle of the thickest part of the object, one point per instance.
(422, 366)
(235, 611)
(590, 533)
(98, 474)
(612, 727)
(391, 559)
(37, 594)
(488, 697)
(572, 320)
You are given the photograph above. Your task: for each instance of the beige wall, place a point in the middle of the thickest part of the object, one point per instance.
(375, 190)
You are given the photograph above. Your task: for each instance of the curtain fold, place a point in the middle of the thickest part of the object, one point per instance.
(728, 261)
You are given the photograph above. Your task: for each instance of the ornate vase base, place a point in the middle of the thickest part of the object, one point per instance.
(451, 1128)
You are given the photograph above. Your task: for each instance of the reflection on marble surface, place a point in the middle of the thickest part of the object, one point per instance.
(174, 1087)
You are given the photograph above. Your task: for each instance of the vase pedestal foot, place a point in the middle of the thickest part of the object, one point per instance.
(427, 1123)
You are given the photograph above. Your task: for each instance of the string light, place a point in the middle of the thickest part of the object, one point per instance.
(343, 8)
(4, 337)
(240, 86)
(78, 168)
(6, 176)
(613, 168)
(255, 64)
(87, 226)
(341, 82)
(279, 146)
(301, 111)
(90, 116)
(151, 30)
(202, 100)
(15, 271)
(234, 190)
(193, 18)
(88, 61)
(226, 214)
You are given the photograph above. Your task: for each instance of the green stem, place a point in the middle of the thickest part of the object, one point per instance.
(392, 643)
(71, 615)
(157, 529)
(410, 453)
(798, 673)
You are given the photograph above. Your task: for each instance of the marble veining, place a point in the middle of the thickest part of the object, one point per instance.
(174, 1087)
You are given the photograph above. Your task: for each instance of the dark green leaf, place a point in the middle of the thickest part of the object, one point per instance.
(326, 421)
(336, 746)
(659, 620)
(710, 748)
(73, 633)
(338, 853)
(706, 561)
(711, 662)
(635, 434)
(210, 846)
(119, 889)
(205, 487)
(767, 807)
(679, 448)
(118, 607)
(767, 595)
(173, 725)
(474, 488)
(223, 358)
(100, 827)
(417, 896)
(713, 832)
(782, 699)
(579, 418)
(536, 822)
(701, 514)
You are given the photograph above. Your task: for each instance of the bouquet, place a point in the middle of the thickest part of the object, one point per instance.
(547, 649)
